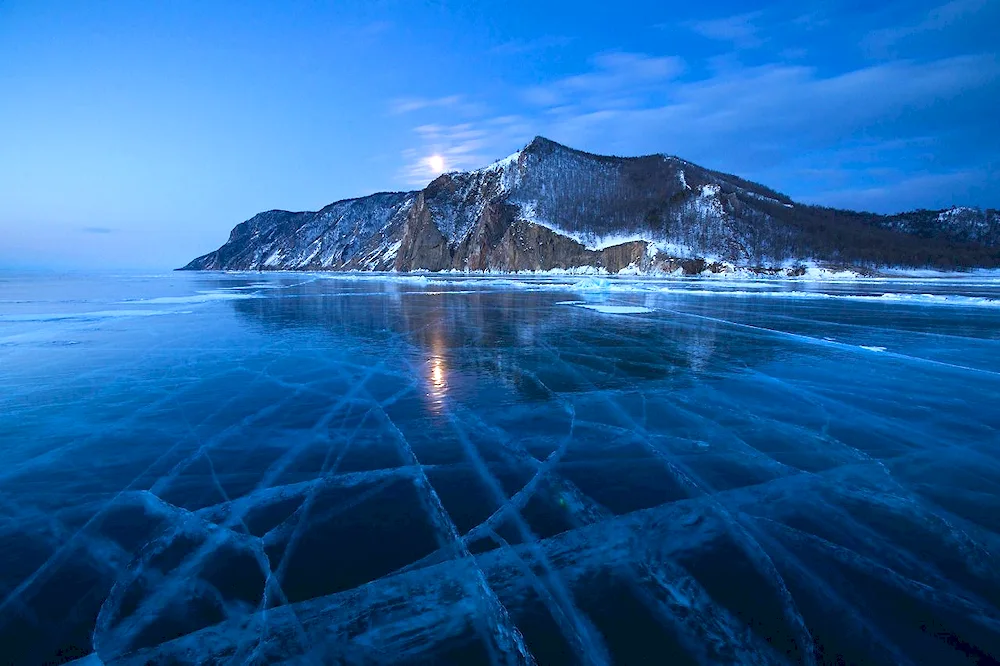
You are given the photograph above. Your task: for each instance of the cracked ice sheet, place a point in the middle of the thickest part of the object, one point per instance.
(377, 470)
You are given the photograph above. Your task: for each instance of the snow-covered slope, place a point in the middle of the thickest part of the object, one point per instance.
(353, 234)
(961, 223)
(548, 206)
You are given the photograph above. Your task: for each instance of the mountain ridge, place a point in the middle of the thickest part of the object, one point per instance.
(548, 206)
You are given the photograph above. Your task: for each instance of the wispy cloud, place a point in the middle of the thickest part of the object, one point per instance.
(612, 75)
(879, 42)
(749, 113)
(372, 28)
(523, 46)
(741, 30)
(461, 146)
(405, 105)
(97, 230)
(948, 188)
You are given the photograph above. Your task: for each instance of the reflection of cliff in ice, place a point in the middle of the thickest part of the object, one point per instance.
(511, 336)
(378, 476)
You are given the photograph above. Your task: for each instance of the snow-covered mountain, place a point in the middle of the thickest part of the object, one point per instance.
(548, 206)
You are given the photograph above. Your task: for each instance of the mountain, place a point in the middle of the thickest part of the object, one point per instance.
(549, 206)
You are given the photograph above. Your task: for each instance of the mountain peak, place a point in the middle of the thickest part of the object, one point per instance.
(540, 142)
(542, 145)
(538, 145)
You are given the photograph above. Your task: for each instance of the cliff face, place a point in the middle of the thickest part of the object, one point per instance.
(549, 206)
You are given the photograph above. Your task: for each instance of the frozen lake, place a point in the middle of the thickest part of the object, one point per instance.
(296, 468)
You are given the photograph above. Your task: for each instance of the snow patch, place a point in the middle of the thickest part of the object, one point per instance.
(707, 204)
(614, 309)
(946, 215)
(274, 259)
(761, 197)
(391, 251)
(200, 297)
(103, 314)
(505, 163)
(597, 243)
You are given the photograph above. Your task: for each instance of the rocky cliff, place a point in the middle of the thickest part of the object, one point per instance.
(549, 206)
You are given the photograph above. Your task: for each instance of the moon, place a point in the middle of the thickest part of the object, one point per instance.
(436, 163)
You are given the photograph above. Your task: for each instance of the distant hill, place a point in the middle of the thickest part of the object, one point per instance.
(549, 206)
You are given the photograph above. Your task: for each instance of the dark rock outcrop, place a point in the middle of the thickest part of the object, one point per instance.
(549, 206)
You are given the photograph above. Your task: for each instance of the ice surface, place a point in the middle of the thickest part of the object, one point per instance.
(451, 469)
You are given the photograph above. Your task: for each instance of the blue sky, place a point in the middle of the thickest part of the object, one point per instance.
(138, 134)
